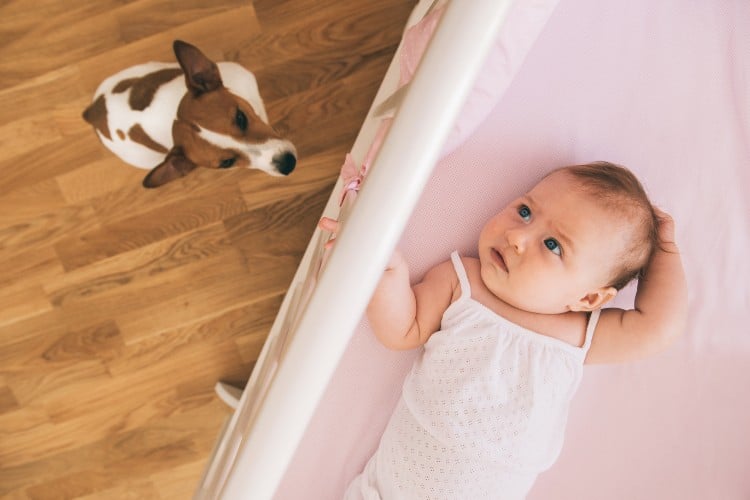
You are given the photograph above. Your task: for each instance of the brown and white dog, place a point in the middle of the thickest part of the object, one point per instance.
(172, 118)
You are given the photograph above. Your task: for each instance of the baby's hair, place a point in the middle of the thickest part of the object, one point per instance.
(618, 189)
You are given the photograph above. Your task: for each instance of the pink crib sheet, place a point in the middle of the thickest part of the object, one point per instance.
(664, 88)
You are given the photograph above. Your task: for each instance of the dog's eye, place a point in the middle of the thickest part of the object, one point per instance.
(229, 162)
(240, 119)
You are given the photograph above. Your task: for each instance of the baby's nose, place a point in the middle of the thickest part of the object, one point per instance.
(517, 239)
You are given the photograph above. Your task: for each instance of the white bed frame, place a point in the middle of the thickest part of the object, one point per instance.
(309, 336)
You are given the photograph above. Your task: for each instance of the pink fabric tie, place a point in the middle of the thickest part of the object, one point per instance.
(353, 176)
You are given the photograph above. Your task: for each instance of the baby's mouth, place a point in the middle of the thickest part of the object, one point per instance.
(499, 260)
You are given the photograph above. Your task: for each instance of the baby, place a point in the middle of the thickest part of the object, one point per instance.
(505, 335)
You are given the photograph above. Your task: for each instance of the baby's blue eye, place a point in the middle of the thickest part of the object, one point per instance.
(524, 212)
(553, 246)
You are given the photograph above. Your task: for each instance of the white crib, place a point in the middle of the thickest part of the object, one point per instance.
(300, 403)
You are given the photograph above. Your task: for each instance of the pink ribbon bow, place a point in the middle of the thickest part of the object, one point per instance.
(352, 177)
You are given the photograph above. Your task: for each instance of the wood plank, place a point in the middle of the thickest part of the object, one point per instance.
(368, 26)
(7, 400)
(129, 233)
(38, 265)
(89, 411)
(34, 95)
(212, 34)
(50, 42)
(34, 384)
(98, 177)
(45, 229)
(38, 130)
(212, 280)
(126, 456)
(139, 268)
(49, 359)
(92, 484)
(256, 233)
(247, 323)
(179, 482)
(277, 13)
(30, 200)
(185, 305)
(49, 159)
(72, 34)
(21, 302)
(152, 17)
(128, 490)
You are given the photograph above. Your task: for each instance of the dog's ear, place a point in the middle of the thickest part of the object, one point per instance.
(174, 166)
(201, 73)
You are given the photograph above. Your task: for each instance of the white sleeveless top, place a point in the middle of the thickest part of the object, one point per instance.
(483, 410)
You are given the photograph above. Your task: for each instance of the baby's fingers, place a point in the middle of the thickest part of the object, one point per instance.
(661, 214)
(665, 228)
(328, 224)
(666, 223)
(329, 244)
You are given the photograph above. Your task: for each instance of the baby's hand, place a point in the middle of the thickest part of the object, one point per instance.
(665, 230)
(330, 225)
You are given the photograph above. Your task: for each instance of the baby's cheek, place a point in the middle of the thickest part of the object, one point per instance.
(493, 224)
(542, 292)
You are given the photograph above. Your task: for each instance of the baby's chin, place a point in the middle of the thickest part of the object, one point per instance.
(527, 303)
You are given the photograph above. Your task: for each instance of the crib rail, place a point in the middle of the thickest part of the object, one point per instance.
(312, 330)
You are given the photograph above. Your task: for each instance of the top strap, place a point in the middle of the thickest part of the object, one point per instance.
(593, 320)
(463, 279)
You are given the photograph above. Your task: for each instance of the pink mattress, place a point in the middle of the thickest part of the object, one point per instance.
(664, 88)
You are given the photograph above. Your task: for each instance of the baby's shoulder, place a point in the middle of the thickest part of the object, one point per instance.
(445, 275)
(471, 265)
(449, 269)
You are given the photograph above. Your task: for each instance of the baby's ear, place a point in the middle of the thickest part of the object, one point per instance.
(594, 300)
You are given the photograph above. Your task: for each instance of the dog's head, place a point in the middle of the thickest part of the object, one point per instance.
(215, 128)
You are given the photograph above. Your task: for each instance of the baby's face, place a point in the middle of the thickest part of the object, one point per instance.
(550, 248)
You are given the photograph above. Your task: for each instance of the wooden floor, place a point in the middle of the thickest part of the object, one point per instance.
(121, 307)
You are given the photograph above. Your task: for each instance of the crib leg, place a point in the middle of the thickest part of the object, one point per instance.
(228, 393)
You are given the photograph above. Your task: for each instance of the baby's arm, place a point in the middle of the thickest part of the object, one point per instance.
(660, 311)
(404, 317)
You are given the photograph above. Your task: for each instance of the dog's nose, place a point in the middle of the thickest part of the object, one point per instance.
(285, 163)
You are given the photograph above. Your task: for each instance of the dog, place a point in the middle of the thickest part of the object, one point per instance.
(172, 118)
